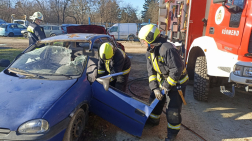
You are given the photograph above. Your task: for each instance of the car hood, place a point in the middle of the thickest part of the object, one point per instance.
(95, 29)
(22, 100)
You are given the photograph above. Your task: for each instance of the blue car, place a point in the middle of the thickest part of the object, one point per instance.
(11, 29)
(2, 21)
(49, 89)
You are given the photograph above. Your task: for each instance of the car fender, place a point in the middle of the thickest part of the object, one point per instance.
(78, 95)
(219, 63)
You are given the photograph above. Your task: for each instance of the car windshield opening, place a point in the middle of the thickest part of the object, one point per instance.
(53, 59)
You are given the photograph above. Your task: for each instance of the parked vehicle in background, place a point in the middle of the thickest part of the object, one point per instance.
(20, 20)
(2, 21)
(64, 27)
(50, 30)
(11, 29)
(95, 29)
(124, 31)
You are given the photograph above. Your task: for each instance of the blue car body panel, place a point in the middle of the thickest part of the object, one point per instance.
(120, 109)
(78, 94)
(26, 99)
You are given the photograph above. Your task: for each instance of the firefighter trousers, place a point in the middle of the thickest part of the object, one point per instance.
(173, 109)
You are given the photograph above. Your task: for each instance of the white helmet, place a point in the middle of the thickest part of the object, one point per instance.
(37, 15)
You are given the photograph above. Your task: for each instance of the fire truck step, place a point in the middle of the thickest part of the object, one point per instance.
(227, 92)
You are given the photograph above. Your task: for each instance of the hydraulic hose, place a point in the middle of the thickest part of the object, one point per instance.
(138, 96)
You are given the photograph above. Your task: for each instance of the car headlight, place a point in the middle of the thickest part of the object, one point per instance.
(238, 70)
(247, 71)
(34, 126)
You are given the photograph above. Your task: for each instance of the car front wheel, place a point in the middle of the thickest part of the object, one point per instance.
(11, 34)
(74, 131)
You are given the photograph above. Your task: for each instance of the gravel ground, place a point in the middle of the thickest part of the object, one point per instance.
(220, 119)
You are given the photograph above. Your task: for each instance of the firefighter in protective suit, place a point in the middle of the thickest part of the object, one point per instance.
(35, 32)
(166, 72)
(114, 60)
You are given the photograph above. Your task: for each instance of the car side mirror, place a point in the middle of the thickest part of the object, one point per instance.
(4, 63)
(104, 82)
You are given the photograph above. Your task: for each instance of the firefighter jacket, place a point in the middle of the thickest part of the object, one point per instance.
(165, 66)
(120, 62)
(35, 33)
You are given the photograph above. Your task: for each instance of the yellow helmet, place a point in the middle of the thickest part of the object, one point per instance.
(106, 51)
(148, 33)
(37, 15)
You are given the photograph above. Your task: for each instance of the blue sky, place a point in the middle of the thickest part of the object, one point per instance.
(135, 3)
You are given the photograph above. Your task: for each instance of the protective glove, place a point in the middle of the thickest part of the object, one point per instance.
(158, 94)
(165, 90)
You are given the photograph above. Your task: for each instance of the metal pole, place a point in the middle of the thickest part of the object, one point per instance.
(89, 21)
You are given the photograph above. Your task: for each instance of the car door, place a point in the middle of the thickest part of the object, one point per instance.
(20, 27)
(119, 108)
(56, 30)
(15, 29)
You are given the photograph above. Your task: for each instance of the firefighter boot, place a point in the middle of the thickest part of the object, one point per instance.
(170, 136)
(153, 120)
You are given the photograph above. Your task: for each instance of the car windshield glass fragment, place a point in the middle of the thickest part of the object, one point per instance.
(53, 59)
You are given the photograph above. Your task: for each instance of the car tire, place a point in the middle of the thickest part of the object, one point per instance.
(201, 80)
(53, 34)
(25, 35)
(76, 126)
(11, 34)
(131, 38)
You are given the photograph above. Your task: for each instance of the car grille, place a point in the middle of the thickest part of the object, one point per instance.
(4, 131)
(250, 44)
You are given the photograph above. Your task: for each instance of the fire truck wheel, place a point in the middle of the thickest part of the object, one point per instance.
(201, 79)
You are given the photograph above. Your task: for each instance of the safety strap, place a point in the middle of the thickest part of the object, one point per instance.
(155, 64)
(107, 65)
(176, 127)
(154, 116)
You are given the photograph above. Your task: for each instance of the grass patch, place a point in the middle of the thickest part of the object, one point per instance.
(21, 38)
(9, 54)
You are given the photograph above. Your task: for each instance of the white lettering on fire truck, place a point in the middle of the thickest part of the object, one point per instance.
(230, 32)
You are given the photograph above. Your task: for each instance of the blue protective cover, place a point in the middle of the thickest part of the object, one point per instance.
(122, 110)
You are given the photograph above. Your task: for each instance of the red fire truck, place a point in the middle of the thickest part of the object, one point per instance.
(216, 38)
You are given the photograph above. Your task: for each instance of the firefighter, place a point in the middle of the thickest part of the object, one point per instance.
(114, 60)
(166, 72)
(35, 32)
